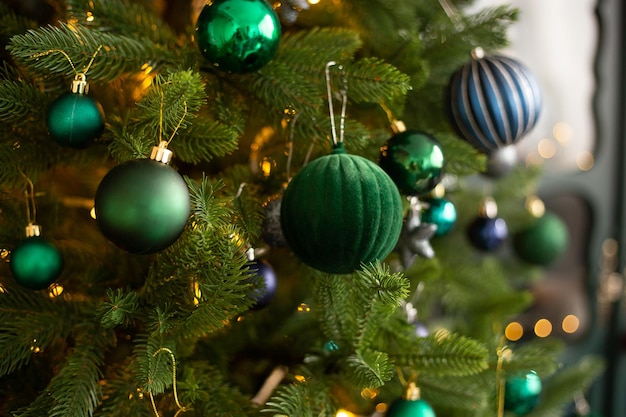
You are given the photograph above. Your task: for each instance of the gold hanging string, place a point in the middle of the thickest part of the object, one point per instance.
(76, 72)
(500, 381)
(181, 408)
(29, 196)
(179, 124)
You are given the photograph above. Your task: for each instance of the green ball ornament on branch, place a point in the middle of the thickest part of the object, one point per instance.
(35, 263)
(543, 241)
(521, 393)
(411, 405)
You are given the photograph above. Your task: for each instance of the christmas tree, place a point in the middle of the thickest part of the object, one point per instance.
(161, 275)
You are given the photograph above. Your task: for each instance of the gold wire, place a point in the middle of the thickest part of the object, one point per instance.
(29, 195)
(181, 408)
(83, 72)
(500, 383)
(179, 123)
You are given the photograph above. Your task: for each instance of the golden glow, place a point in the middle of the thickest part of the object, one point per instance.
(535, 206)
(442, 334)
(313, 1)
(90, 17)
(55, 290)
(267, 164)
(300, 378)
(543, 328)
(381, 408)
(303, 308)
(92, 213)
(2, 289)
(369, 393)
(546, 148)
(562, 132)
(147, 68)
(585, 161)
(570, 324)
(514, 331)
(344, 413)
(197, 294)
(240, 319)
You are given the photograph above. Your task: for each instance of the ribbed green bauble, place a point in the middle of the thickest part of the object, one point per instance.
(35, 263)
(142, 206)
(340, 211)
(75, 120)
(410, 408)
(543, 241)
(238, 36)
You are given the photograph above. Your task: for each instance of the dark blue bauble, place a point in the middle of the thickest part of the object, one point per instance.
(493, 101)
(487, 233)
(265, 283)
(442, 213)
(521, 393)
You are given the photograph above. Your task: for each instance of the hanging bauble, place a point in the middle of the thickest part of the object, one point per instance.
(487, 231)
(543, 241)
(440, 212)
(414, 160)
(35, 263)
(74, 119)
(264, 280)
(411, 405)
(238, 35)
(501, 161)
(271, 231)
(289, 10)
(521, 393)
(341, 211)
(492, 101)
(142, 206)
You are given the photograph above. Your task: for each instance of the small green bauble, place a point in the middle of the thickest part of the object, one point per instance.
(521, 393)
(238, 35)
(35, 263)
(442, 213)
(543, 242)
(410, 408)
(142, 206)
(341, 211)
(75, 120)
(414, 160)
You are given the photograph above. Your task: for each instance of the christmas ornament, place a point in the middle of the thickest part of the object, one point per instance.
(501, 161)
(411, 405)
(238, 35)
(440, 212)
(265, 283)
(492, 101)
(35, 263)
(74, 119)
(271, 232)
(521, 393)
(142, 206)
(289, 10)
(488, 231)
(415, 236)
(414, 160)
(543, 242)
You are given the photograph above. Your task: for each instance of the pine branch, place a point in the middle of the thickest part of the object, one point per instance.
(120, 309)
(21, 103)
(11, 23)
(370, 369)
(540, 355)
(205, 140)
(306, 399)
(371, 80)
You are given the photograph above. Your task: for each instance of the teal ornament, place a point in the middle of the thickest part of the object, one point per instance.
(414, 160)
(35, 263)
(410, 408)
(521, 393)
(341, 211)
(543, 241)
(238, 36)
(142, 206)
(440, 212)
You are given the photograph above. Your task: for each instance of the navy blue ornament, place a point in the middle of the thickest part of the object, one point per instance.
(265, 283)
(487, 233)
(492, 101)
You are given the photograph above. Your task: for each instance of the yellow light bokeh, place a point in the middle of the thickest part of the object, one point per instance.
(303, 308)
(570, 324)
(55, 290)
(546, 148)
(381, 408)
(313, 1)
(514, 331)
(344, 413)
(562, 132)
(585, 161)
(543, 328)
(300, 378)
(92, 213)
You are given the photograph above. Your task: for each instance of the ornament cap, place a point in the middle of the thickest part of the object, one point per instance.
(488, 208)
(478, 53)
(161, 154)
(412, 392)
(33, 230)
(80, 84)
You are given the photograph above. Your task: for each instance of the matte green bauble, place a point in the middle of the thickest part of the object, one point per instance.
(440, 212)
(142, 206)
(521, 393)
(75, 120)
(238, 35)
(341, 211)
(414, 160)
(543, 242)
(35, 263)
(410, 408)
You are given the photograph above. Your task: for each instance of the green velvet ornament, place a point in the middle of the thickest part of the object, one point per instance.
(142, 206)
(75, 120)
(414, 160)
(521, 393)
(410, 408)
(238, 35)
(35, 263)
(543, 242)
(341, 211)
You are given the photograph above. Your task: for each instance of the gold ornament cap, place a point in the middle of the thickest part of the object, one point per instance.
(80, 84)
(161, 153)
(33, 230)
(412, 392)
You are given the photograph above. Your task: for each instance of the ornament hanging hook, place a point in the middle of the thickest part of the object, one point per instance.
(344, 103)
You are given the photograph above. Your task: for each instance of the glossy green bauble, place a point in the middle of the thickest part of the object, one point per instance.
(440, 212)
(142, 206)
(414, 160)
(521, 393)
(341, 211)
(35, 263)
(410, 408)
(543, 242)
(75, 120)
(238, 35)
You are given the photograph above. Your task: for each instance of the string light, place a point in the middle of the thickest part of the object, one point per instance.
(55, 290)
(543, 328)
(514, 331)
(570, 324)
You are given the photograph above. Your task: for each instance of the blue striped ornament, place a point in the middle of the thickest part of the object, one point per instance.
(493, 101)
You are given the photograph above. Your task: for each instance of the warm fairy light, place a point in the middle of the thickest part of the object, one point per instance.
(4, 254)
(34, 348)
(303, 308)
(313, 1)
(147, 68)
(546, 148)
(381, 408)
(2, 289)
(543, 328)
(240, 319)
(369, 393)
(514, 331)
(585, 161)
(343, 413)
(300, 378)
(197, 294)
(92, 213)
(570, 324)
(535, 206)
(55, 290)
(267, 164)
(90, 17)
(562, 132)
